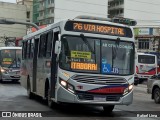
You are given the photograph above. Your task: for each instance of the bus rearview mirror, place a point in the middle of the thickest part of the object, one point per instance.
(57, 47)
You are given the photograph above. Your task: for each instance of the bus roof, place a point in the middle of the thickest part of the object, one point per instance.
(4, 48)
(62, 22)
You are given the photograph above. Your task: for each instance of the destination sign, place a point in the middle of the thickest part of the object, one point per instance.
(98, 28)
(83, 66)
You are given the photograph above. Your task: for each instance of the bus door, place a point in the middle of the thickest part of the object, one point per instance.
(54, 64)
(36, 41)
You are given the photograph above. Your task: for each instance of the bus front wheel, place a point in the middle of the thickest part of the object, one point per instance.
(108, 108)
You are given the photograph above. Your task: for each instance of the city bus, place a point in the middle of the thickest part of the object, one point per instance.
(10, 60)
(84, 60)
(146, 66)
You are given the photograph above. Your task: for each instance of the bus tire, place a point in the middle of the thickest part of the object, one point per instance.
(29, 93)
(108, 109)
(156, 95)
(49, 101)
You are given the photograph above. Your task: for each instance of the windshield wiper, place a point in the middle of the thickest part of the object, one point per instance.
(87, 43)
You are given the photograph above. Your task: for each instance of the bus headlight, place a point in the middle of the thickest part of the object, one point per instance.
(4, 71)
(63, 83)
(128, 89)
(67, 86)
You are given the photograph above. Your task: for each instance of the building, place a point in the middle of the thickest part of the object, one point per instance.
(35, 13)
(49, 11)
(147, 39)
(29, 5)
(145, 12)
(12, 11)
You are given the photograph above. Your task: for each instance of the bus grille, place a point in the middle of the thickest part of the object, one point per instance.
(84, 96)
(98, 80)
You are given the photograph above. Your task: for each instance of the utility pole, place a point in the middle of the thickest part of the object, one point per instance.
(10, 22)
(5, 21)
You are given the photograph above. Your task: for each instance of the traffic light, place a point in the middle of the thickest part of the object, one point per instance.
(125, 21)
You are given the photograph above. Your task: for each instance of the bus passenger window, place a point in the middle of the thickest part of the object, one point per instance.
(49, 44)
(25, 50)
(42, 46)
(28, 48)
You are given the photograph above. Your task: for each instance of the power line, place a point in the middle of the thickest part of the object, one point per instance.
(145, 2)
(143, 11)
(80, 11)
(87, 3)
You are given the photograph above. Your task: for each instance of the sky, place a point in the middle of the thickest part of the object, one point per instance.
(11, 1)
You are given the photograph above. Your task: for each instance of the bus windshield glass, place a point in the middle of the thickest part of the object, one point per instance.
(97, 55)
(11, 58)
(146, 59)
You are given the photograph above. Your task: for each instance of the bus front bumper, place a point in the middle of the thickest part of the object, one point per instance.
(65, 96)
(7, 77)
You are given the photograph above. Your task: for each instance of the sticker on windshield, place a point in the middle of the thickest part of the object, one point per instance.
(7, 59)
(117, 46)
(115, 70)
(106, 68)
(80, 54)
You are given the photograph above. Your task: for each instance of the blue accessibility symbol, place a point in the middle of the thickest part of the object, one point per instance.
(106, 68)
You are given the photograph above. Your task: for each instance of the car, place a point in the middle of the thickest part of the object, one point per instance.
(153, 87)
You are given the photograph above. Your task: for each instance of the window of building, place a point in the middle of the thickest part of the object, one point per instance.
(52, 20)
(41, 13)
(121, 10)
(43, 4)
(51, 10)
(143, 44)
(28, 14)
(49, 1)
(52, 1)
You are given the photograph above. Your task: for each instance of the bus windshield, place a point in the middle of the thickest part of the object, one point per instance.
(11, 58)
(146, 59)
(97, 55)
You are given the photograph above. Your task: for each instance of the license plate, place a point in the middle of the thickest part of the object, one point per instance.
(99, 98)
(16, 76)
(18, 72)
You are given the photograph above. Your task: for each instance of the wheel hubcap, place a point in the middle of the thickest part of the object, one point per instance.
(157, 95)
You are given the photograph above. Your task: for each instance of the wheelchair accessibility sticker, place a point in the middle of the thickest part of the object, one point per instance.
(106, 68)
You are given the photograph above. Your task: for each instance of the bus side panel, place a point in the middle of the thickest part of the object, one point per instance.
(23, 79)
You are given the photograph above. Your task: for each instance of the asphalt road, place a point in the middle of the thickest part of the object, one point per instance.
(13, 97)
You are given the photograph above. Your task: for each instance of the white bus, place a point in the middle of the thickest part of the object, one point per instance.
(82, 61)
(146, 65)
(10, 60)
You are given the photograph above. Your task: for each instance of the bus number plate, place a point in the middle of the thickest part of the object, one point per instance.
(16, 76)
(100, 98)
